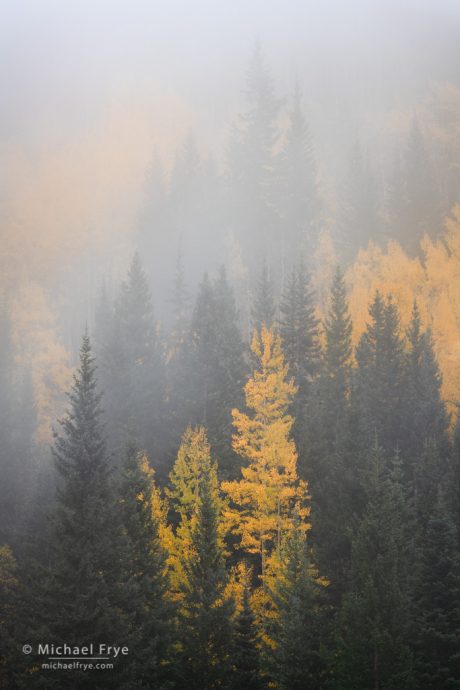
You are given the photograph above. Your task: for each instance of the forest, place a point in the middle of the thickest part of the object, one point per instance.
(234, 449)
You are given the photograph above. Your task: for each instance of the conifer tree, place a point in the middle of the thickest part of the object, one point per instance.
(269, 491)
(204, 610)
(426, 416)
(374, 623)
(133, 376)
(149, 612)
(437, 599)
(215, 368)
(299, 202)
(359, 219)
(263, 305)
(297, 629)
(246, 672)
(77, 598)
(299, 328)
(8, 613)
(380, 384)
(251, 163)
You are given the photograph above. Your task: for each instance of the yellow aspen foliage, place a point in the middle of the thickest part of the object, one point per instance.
(263, 501)
(433, 282)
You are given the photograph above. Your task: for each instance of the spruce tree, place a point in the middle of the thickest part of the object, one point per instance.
(76, 598)
(297, 630)
(380, 383)
(426, 416)
(263, 304)
(437, 600)
(251, 163)
(299, 328)
(358, 220)
(245, 654)
(374, 623)
(149, 612)
(215, 368)
(204, 610)
(133, 375)
(299, 203)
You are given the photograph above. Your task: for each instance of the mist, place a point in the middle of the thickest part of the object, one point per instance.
(230, 342)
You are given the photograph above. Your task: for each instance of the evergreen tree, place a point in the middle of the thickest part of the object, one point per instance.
(437, 598)
(380, 384)
(245, 658)
(298, 632)
(214, 368)
(251, 164)
(263, 305)
(133, 374)
(299, 329)
(205, 610)
(330, 458)
(76, 597)
(180, 305)
(359, 219)
(374, 623)
(426, 416)
(299, 202)
(148, 610)
(422, 204)
(8, 613)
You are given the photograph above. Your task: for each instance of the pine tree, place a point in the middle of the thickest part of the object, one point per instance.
(374, 622)
(204, 611)
(265, 497)
(263, 305)
(299, 203)
(437, 598)
(297, 629)
(76, 598)
(148, 610)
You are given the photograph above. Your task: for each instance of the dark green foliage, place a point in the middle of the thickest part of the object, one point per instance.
(414, 206)
(245, 655)
(8, 613)
(374, 622)
(213, 370)
(298, 631)
(380, 386)
(132, 367)
(299, 204)
(426, 416)
(205, 613)
(437, 600)
(299, 328)
(251, 164)
(263, 309)
(149, 613)
(359, 219)
(77, 594)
